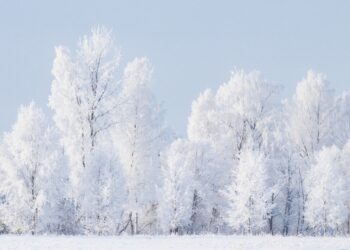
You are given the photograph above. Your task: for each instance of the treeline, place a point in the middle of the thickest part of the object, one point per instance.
(108, 164)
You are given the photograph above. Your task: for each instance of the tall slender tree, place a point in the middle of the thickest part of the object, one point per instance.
(84, 98)
(311, 122)
(176, 194)
(138, 140)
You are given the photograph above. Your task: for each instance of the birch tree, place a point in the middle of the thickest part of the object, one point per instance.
(311, 122)
(31, 174)
(138, 140)
(84, 98)
(326, 209)
(248, 195)
(176, 194)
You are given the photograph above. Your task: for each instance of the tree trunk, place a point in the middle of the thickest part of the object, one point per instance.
(287, 207)
(301, 212)
(132, 229)
(136, 223)
(271, 215)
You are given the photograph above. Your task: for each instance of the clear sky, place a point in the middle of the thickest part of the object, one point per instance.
(193, 45)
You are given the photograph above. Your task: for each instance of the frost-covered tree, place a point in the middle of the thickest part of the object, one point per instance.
(310, 127)
(176, 194)
(206, 202)
(234, 118)
(326, 209)
(57, 211)
(345, 172)
(341, 122)
(248, 195)
(230, 117)
(189, 181)
(282, 181)
(311, 114)
(138, 140)
(84, 98)
(102, 204)
(33, 179)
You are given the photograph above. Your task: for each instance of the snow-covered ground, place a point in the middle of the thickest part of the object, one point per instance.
(174, 243)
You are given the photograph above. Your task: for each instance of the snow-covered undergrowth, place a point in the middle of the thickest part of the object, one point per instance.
(168, 242)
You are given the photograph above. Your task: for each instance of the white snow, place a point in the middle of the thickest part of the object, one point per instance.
(172, 242)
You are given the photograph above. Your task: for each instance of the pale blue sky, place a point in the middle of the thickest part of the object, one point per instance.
(193, 45)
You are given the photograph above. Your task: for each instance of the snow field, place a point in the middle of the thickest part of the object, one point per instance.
(173, 242)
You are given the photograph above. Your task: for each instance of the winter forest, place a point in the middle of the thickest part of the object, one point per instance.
(107, 163)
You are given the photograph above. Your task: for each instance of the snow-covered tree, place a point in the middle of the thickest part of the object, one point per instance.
(176, 194)
(84, 98)
(189, 181)
(345, 171)
(139, 139)
(206, 202)
(341, 122)
(248, 195)
(34, 180)
(311, 114)
(102, 204)
(57, 213)
(326, 209)
(235, 113)
(310, 127)
(282, 181)
(232, 119)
